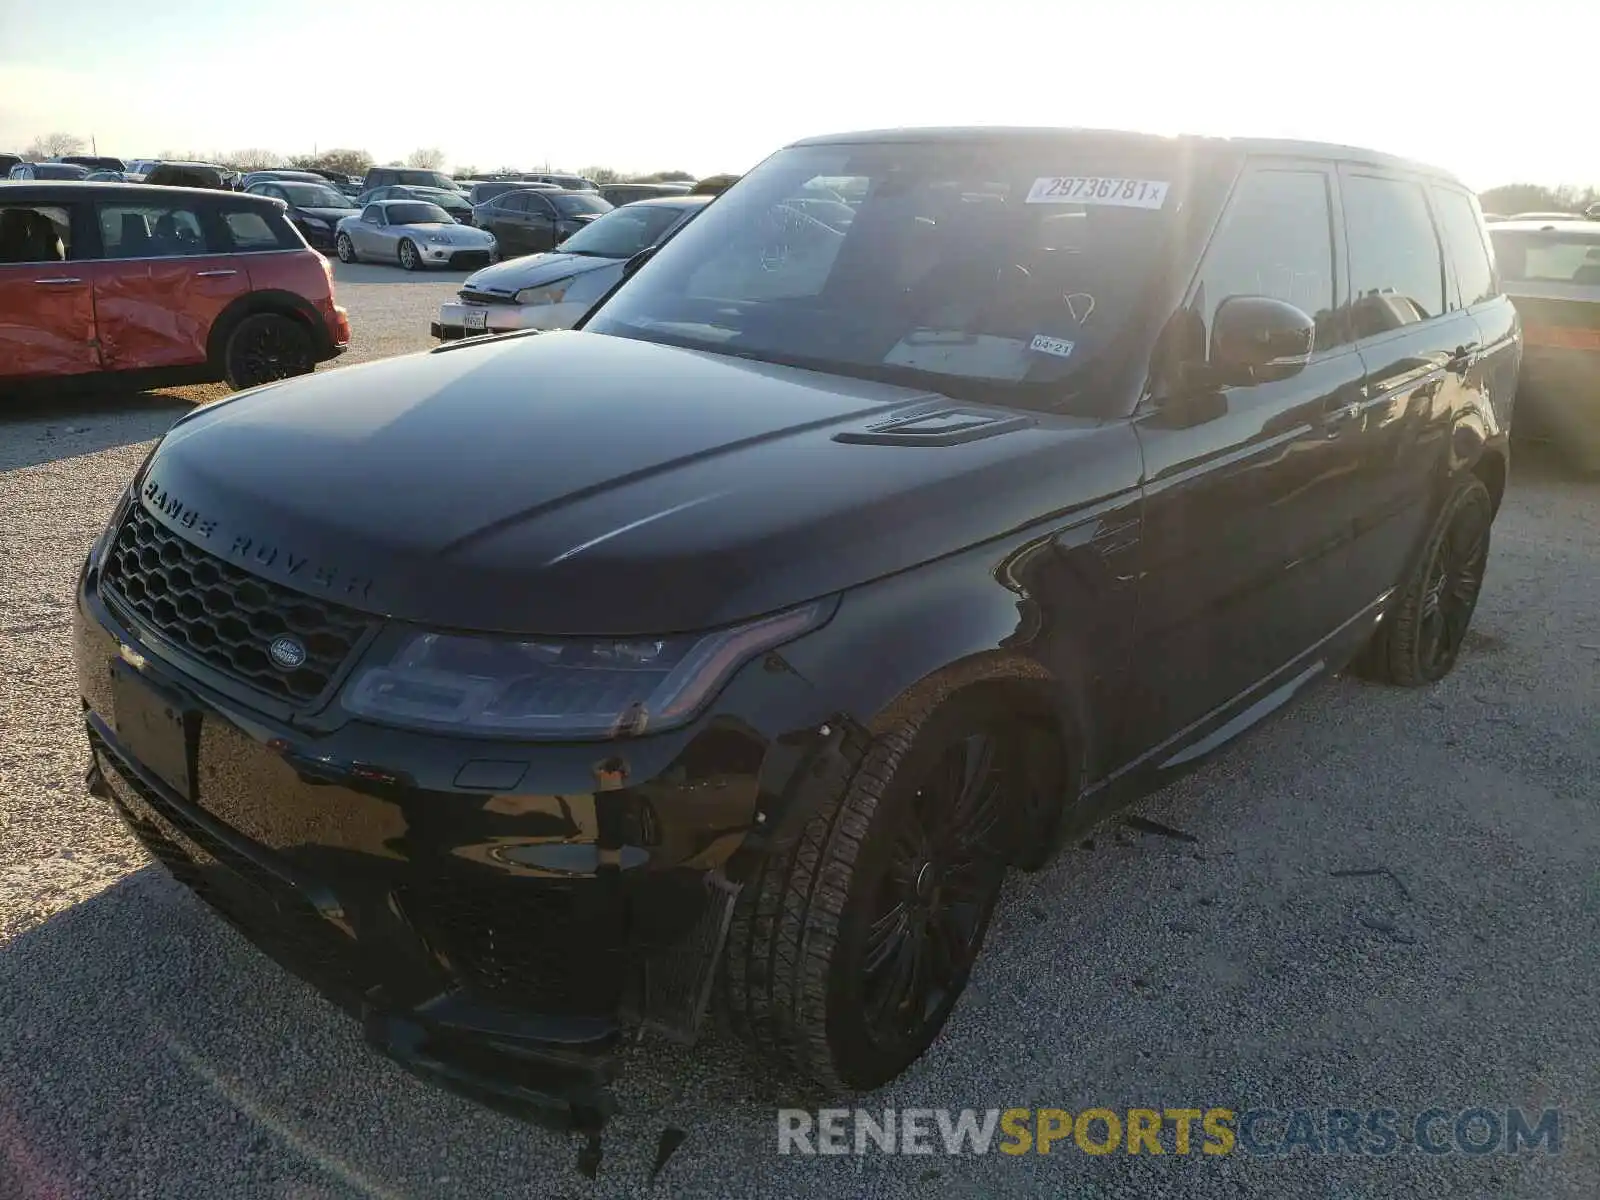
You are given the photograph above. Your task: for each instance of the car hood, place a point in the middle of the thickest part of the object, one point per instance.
(530, 270)
(457, 233)
(572, 483)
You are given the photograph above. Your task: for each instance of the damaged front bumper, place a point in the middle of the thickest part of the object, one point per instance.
(498, 937)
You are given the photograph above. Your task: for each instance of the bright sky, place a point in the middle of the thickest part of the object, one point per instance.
(1499, 92)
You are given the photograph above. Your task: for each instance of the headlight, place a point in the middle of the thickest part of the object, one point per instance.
(314, 222)
(545, 293)
(562, 687)
(439, 239)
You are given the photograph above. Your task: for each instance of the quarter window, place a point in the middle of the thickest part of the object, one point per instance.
(150, 231)
(35, 233)
(1463, 233)
(1277, 241)
(1396, 272)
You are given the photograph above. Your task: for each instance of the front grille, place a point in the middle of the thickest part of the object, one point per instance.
(224, 616)
(471, 297)
(470, 258)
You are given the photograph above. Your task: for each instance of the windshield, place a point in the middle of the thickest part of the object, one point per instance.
(60, 171)
(1548, 256)
(311, 195)
(1015, 263)
(418, 213)
(577, 204)
(623, 232)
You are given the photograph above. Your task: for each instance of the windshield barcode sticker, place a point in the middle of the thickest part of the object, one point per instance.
(1098, 189)
(1045, 344)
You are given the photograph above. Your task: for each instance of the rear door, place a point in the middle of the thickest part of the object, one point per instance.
(47, 323)
(161, 283)
(1475, 287)
(1418, 354)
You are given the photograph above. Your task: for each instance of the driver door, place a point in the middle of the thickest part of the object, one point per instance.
(368, 231)
(1250, 491)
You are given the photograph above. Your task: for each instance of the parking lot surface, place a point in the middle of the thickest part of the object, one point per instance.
(1390, 901)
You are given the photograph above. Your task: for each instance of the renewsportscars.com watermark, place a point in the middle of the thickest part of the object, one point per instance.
(1261, 1132)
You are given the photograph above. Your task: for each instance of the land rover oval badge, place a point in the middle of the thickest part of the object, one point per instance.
(286, 653)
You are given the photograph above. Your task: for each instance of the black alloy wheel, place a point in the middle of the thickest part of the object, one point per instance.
(933, 897)
(1419, 641)
(853, 939)
(266, 347)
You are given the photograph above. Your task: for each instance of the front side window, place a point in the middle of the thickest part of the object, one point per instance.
(1462, 227)
(35, 233)
(372, 215)
(1275, 240)
(1396, 272)
(1011, 265)
(150, 231)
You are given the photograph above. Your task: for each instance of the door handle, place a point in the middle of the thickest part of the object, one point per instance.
(55, 282)
(213, 274)
(1336, 419)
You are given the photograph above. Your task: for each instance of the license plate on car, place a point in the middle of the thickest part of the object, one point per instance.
(153, 728)
(475, 322)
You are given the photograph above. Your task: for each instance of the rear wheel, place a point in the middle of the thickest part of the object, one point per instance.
(345, 248)
(1419, 641)
(409, 258)
(849, 950)
(265, 347)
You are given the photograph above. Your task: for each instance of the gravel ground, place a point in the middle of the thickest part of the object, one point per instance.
(1391, 902)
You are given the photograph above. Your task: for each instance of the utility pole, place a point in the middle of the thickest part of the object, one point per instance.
(94, 146)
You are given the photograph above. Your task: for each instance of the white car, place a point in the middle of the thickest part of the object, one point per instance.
(554, 290)
(414, 234)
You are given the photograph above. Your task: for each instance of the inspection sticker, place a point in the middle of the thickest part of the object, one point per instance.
(1046, 344)
(1098, 189)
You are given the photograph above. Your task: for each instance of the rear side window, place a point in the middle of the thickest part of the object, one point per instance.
(250, 229)
(1276, 240)
(1396, 271)
(150, 231)
(35, 233)
(1463, 234)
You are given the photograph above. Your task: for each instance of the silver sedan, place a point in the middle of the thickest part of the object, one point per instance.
(413, 233)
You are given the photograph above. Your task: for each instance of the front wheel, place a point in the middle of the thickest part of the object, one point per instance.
(409, 258)
(848, 951)
(345, 248)
(1419, 641)
(266, 347)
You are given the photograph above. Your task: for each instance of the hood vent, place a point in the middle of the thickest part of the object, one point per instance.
(943, 425)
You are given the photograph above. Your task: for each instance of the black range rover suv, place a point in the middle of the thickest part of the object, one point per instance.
(730, 648)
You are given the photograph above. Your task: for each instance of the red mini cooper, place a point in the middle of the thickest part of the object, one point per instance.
(160, 285)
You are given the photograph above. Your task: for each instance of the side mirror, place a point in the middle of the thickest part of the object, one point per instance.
(1256, 339)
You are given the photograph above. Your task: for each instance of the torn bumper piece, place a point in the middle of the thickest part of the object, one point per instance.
(499, 1059)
